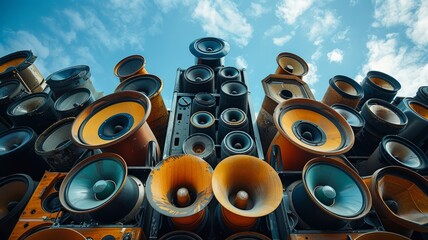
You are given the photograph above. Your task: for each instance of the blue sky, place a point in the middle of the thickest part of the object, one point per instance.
(346, 37)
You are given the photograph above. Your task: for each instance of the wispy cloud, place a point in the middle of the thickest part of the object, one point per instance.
(353, 2)
(418, 29)
(241, 62)
(280, 41)
(325, 23)
(257, 9)
(342, 35)
(289, 10)
(392, 12)
(312, 76)
(336, 55)
(275, 29)
(317, 54)
(167, 5)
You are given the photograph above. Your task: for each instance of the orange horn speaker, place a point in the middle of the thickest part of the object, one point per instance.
(291, 64)
(307, 129)
(381, 236)
(179, 187)
(400, 197)
(343, 90)
(278, 88)
(56, 233)
(20, 65)
(151, 86)
(130, 66)
(116, 123)
(244, 199)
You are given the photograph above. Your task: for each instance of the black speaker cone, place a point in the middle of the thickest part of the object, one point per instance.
(115, 126)
(71, 103)
(237, 142)
(204, 101)
(200, 145)
(131, 66)
(233, 94)
(209, 51)
(198, 78)
(146, 83)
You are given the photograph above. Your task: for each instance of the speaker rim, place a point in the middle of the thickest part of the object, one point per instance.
(84, 75)
(230, 123)
(365, 111)
(234, 151)
(205, 67)
(27, 54)
(407, 101)
(350, 81)
(352, 110)
(193, 48)
(381, 206)
(14, 93)
(394, 82)
(106, 101)
(222, 92)
(126, 59)
(294, 56)
(28, 130)
(206, 153)
(64, 96)
(42, 107)
(294, 103)
(202, 126)
(38, 146)
(141, 77)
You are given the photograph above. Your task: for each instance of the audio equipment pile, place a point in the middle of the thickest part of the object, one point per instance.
(80, 165)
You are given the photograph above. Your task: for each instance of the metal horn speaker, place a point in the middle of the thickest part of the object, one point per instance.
(291, 64)
(198, 78)
(70, 104)
(130, 66)
(307, 129)
(116, 123)
(243, 200)
(179, 187)
(100, 186)
(343, 90)
(209, 51)
(379, 85)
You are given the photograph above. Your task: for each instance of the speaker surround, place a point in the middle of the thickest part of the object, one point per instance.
(116, 123)
(100, 186)
(232, 119)
(306, 129)
(237, 142)
(209, 51)
(70, 104)
(130, 66)
(291, 64)
(379, 85)
(198, 78)
(343, 90)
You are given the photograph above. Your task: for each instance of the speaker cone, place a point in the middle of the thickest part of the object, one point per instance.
(232, 119)
(100, 186)
(228, 74)
(198, 78)
(416, 129)
(16, 191)
(204, 102)
(233, 94)
(237, 142)
(130, 66)
(179, 187)
(180, 235)
(70, 104)
(243, 200)
(10, 90)
(201, 145)
(334, 200)
(116, 123)
(291, 64)
(203, 122)
(20, 65)
(343, 90)
(151, 86)
(209, 51)
(68, 79)
(381, 236)
(17, 153)
(306, 129)
(379, 85)
(354, 118)
(55, 233)
(400, 197)
(34, 110)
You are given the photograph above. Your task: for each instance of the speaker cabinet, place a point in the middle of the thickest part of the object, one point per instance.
(68, 79)
(130, 66)
(416, 129)
(291, 64)
(379, 85)
(278, 88)
(15, 192)
(116, 123)
(306, 129)
(71, 103)
(354, 118)
(151, 86)
(20, 65)
(34, 110)
(400, 197)
(343, 90)
(10, 91)
(209, 51)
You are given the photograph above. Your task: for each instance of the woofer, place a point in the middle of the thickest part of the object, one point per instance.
(379, 85)
(416, 129)
(291, 64)
(343, 90)
(204, 101)
(232, 119)
(354, 118)
(233, 95)
(209, 51)
(70, 104)
(130, 66)
(198, 78)
(201, 145)
(237, 142)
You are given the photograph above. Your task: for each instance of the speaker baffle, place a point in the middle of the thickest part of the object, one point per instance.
(343, 90)
(422, 95)
(204, 101)
(232, 119)
(379, 85)
(179, 188)
(400, 197)
(307, 129)
(130, 66)
(248, 236)
(335, 201)
(237, 142)
(10, 90)
(243, 200)
(381, 236)
(233, 95)
(20, 65)
(291, 64)
(68, 79)
(416, 129)
(100, 186)
(151, 86)
(56, 147)
(16, 191)
(116, 123)
(55, 233)
(209, 51)
(381, 119)
(198, 78)
(352, 116)
(201, 145)
(180, 235)
(226, 74)
(71, 103)
(17, 153)
(203, 122)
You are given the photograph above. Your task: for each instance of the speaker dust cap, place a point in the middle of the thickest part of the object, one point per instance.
(291, 64)
(110, 119)
(176, 172)
(209, 48)
(252, 175)
(313, 127)
(56, 233)
(148, 84)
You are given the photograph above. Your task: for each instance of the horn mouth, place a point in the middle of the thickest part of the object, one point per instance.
(148, 84)
(346, 86)
(398, 150)
(353, 117)
(209, 48)
(420, 109)
(18, 60)
(292, 64)
(233, 88)
(130, 66)
(383, 81)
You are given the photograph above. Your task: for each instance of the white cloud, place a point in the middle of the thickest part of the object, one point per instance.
(241, 62)
(75, 19)
(312, 76)
(168, 5)
(275, 29)
(54, 26)
(257, 9)
(393, 12)
(325, 22)
(317, 54)
(313, 91)
(418, 29)
(342, 35)
(336, 55)
(353, 2)
(289, 10)
(280, 41)
(401, 62)
(222, 18)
